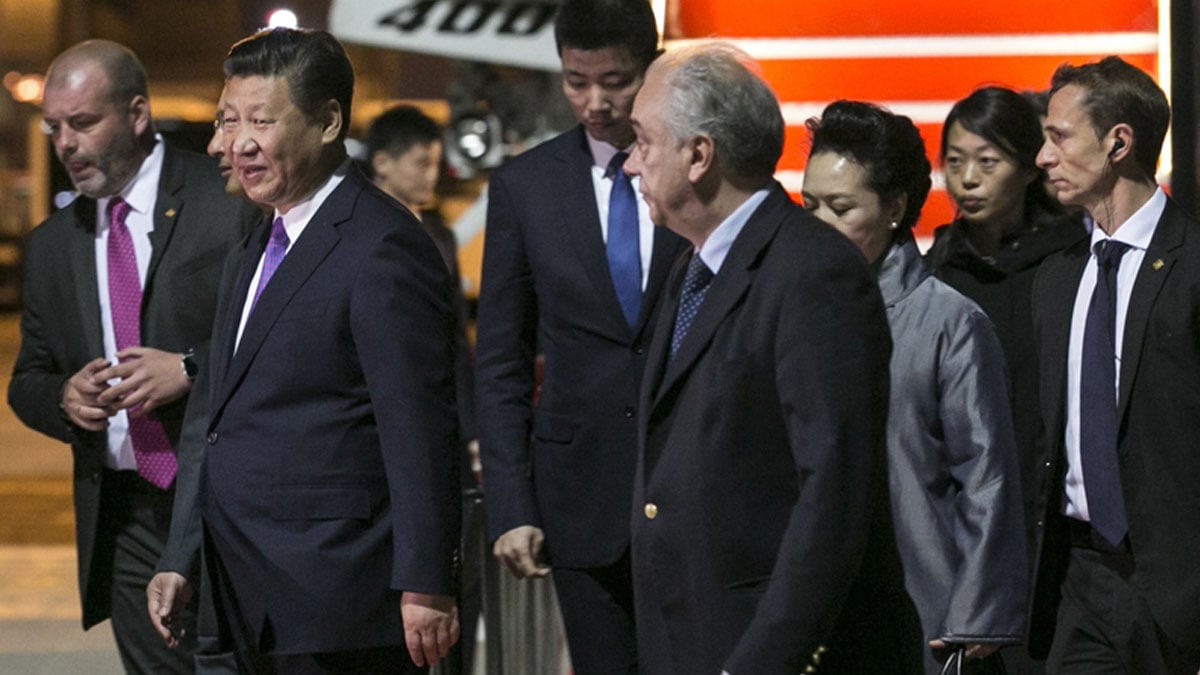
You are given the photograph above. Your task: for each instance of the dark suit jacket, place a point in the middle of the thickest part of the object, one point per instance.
(762, 451)
(568, 466)
(1159, 417)
(329, 479)
(195, 226)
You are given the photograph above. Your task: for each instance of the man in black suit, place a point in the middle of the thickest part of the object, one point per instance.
(328, 488)
(120, 292)
(1117, 321)
(572, 270)
(762, 542)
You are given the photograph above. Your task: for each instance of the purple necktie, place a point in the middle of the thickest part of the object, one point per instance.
(276, 248)
(151, 448)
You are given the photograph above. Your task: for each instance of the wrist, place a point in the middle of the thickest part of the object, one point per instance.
(189, 366)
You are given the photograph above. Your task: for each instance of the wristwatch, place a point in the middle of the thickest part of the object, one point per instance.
(189, 365)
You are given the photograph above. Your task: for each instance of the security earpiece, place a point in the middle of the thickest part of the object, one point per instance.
(1117, 145)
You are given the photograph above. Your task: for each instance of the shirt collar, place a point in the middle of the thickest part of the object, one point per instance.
(298, 217)
(716, 246)
(602, 153)
(1138, 230)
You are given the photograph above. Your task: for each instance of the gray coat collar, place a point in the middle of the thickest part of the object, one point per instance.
(902, 271)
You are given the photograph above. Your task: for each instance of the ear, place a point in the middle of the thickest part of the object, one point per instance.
(139, 114)
(702, 155)
(379, 162)
(894, 209)
(1119, 142)
(332, 120)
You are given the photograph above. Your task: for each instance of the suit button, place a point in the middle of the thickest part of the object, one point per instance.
(629, 411)
(212, 438)
(651, 511)
(639, 350)
(95, 476)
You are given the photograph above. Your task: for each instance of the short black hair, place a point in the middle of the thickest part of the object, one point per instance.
(400, 128)
(1010, 122)
(888, 147)
(596, 24)
(314, 63)
(1116, 93)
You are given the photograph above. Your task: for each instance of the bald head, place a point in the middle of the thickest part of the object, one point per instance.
(123, 73)
(97, 113)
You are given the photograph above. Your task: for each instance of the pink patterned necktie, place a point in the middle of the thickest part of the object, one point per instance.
(276, 248)
(151, 448)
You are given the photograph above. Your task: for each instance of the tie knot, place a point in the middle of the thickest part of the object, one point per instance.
(616, 164)
(118, 209)
(1109, 252)
(279, 233)
(698, 275)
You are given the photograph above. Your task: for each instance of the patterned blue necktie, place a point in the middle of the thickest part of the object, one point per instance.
(624, 258)
(1098, 400)
(695, 285)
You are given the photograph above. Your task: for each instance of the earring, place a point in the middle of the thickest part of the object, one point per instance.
(895, 225)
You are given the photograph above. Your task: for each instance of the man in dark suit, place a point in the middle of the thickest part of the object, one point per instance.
(762, 542)
(327, 482)
(120, 293)
(572, 270)
(1117, 321)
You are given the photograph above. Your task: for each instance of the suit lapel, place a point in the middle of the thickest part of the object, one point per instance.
(1156, 267)
(87, 291)
(666, 252)
(728, 287)
(167, 205)
(311, 248)
(1063, 275)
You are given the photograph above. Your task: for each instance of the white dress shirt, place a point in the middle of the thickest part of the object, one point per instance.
(1135, 232)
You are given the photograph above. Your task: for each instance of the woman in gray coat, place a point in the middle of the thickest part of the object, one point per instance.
(952, 462)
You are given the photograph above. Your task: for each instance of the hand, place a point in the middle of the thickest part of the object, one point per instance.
(81, 397)
(149, 378)
(519, 551)
(430, 626)
(166, 596)
(974, 650)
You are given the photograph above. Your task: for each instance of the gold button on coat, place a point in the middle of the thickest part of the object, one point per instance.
(651, 511)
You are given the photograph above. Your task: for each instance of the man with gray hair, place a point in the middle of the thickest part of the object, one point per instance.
(762, 541)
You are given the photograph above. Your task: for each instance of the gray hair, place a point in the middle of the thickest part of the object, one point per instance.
(713, 91)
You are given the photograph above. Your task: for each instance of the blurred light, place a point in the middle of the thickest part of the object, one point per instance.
(28, 89)
(282, 18)
(10, 79)
(473, 143)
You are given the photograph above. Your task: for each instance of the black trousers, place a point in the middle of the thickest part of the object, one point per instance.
(597, 612)
(1105, 626)
(134, 519)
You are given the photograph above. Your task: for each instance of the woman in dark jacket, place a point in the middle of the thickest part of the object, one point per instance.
(952, 465)
(1007, 224)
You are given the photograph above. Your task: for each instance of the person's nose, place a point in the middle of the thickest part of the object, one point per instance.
(970, 175)
(1046, 157)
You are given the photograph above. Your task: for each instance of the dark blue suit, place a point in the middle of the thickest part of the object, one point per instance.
(762, 541)
(567, 464)
(329, 479)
